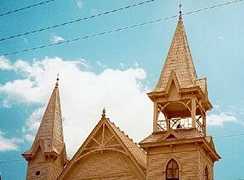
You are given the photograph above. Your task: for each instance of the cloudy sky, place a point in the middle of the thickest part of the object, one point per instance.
(115, 71)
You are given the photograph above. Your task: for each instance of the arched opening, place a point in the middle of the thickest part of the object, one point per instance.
(178, 115)
(206, 174)
(172, 170)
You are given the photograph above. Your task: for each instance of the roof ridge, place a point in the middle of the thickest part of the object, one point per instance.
(127, 135)
(137, 145)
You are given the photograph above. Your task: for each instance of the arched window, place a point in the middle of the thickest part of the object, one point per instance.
(206, 175)
(172, 170)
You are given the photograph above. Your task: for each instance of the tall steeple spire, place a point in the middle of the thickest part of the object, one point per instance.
(179, 60)
(178, 93)
(49, 142)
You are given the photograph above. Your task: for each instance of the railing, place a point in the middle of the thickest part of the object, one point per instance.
(180, 123)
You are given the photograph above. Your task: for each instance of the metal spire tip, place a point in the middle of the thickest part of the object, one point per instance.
(104, 113)
(57, 80)
(180, 9)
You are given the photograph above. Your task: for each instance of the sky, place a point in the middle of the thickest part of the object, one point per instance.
(116, 71)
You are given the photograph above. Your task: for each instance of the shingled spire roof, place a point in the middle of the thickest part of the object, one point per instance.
(178, 62)
(50, 133)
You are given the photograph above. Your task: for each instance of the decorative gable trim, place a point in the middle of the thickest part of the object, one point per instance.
(104, 137)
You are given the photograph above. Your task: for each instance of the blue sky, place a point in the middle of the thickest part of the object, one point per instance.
(122, 67)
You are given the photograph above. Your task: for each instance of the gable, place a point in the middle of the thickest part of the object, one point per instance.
(173, 88)
(104, 141)
(106, 165)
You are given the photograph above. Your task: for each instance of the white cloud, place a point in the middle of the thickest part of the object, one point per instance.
(36, 79)
(79, 3)
(83, 95)
(5, 64)
(220, 37)
(56, 39)
(218, 119)
(8, 144)
(218, 116)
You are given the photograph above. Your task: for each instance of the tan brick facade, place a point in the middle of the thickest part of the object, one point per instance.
(178, 148)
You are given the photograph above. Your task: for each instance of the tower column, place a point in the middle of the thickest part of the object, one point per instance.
(155, 117)
(193, 112)
(204, 125)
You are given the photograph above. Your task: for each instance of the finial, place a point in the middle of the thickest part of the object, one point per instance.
(180, 9)
(104, 113)
(57, 80)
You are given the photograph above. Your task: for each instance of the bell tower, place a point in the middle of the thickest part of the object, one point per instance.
(180, 99)
(179, 148)
(47, 156)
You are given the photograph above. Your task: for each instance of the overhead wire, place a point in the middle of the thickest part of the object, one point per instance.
(11, 160)
(214, 6)
(82, 37)
(76, 20)
(26, 7)
(117, 29)
(109, 12)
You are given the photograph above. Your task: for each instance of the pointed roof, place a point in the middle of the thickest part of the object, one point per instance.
(178, 62)
(107, 136)
(134, 148)
(49, 136)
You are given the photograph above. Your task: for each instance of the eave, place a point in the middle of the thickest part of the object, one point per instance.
(199, 140)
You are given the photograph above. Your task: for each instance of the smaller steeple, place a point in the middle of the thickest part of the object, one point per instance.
(48, 146)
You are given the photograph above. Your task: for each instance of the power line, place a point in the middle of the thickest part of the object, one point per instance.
(214, 6)
(11, 160)
(76, 20)
(106, 13)
(117, 30)
(82, 37)
(26, 7)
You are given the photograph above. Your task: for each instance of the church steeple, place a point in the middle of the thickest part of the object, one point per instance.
(179, 141)
(47, 156)
(179, 94)
(179, 60)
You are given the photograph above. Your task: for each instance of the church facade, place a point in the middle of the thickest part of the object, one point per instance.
(177, 149)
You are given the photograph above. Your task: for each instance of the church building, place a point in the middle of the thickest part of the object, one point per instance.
(177, 149)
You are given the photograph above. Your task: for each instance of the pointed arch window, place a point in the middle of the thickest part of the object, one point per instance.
(206, 174)
(172, 170)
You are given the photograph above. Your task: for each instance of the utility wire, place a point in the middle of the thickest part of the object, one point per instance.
(106, 13)
(214, 6)
(82, 37)
(117, 30)
(26, 7)
(11, 160)
(75, 20)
